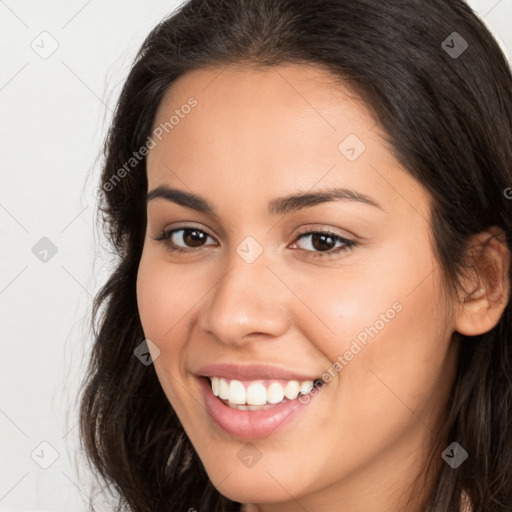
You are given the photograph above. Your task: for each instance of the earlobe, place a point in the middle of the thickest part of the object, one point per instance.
(486, 291)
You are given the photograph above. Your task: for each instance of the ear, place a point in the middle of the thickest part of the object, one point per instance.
(487, 287)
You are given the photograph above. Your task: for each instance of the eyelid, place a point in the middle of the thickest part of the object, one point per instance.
(187, 225)
(325, 228)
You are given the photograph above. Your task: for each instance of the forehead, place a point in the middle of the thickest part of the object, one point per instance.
(283, 92)
(283, 128)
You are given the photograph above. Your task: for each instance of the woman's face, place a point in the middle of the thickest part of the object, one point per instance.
(263, 292)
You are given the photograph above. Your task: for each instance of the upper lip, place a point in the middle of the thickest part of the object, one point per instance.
(250, 372)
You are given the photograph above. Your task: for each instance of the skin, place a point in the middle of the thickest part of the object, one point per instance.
(256, 135)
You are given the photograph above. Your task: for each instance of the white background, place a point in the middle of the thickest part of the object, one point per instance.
(54, 116)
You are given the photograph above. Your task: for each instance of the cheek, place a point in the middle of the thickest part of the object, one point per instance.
(384, 323)
(164, 297)
(352, 302)
(153, 296)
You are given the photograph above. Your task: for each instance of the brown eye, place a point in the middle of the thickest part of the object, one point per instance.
(185, 238)
(193, 237)
(322, 242)
(325, 242)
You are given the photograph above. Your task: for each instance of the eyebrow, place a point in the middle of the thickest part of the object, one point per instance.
(278, 206)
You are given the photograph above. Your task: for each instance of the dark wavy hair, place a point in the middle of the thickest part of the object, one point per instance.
(448, 120)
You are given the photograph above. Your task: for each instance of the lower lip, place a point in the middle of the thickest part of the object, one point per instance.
(249, 424)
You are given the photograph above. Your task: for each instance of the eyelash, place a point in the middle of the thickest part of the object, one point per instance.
(348, 244)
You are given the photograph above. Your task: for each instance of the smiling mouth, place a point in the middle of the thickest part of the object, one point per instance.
(258, 395)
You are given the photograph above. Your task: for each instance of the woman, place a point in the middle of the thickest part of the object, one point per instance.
(311, 206)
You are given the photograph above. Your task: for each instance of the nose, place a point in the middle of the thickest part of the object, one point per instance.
(248, 302)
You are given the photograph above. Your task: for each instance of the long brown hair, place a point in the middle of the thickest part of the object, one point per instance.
(448, 119)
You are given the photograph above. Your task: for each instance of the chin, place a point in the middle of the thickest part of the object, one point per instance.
(254, 490)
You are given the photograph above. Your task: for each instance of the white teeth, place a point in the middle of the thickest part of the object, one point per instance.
(215, 386)
(306, 387)
(237, 393)
(241, 407)
(275, 393)
(291, 390)
(257, 395)
(223, 389)
(255, 407)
